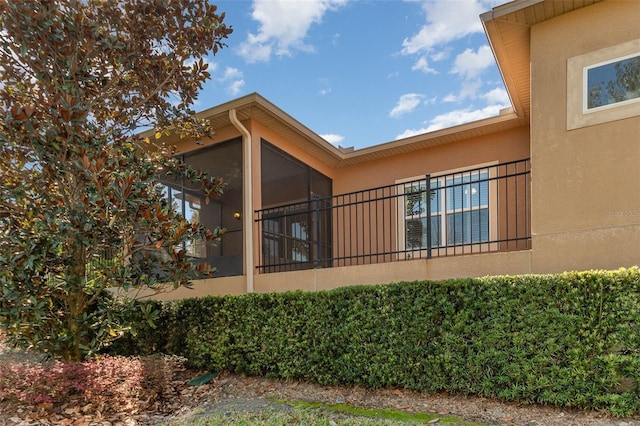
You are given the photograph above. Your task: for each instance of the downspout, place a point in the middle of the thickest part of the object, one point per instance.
(247, 200)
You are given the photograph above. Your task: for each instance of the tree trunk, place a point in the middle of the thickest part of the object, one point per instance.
(75, 302)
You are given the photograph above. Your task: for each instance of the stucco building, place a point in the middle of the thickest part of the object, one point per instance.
(549, 185)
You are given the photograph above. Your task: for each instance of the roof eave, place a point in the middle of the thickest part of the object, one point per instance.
(504, 121)
(249, 107)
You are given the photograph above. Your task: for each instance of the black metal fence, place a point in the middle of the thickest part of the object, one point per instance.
(479, 210)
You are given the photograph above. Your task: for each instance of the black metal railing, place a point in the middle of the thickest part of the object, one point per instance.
(478, 210)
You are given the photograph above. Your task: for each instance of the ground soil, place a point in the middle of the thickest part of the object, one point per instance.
(232, 393)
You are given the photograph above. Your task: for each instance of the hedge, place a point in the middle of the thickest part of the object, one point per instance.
(570, 339)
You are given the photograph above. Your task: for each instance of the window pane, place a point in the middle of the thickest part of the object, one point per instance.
(271, 239)
(416, 214)
(299, 241)
(321, 185)
(614, 82)
(284, 179)
(468, 227)
(416, 232)
(435, 231)
(222, 160)
(415, 200)
(192, 208)
(436, 197)
(463, 195)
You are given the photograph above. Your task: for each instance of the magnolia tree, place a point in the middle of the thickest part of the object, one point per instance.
(81, 211)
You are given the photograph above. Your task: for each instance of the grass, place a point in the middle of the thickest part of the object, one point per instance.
(306, 413)
(391, 414)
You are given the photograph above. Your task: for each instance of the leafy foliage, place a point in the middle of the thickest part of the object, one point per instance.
(80, 211)
(571, 339)
(106, 385)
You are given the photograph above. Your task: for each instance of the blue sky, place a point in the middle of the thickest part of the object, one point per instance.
(360, 72)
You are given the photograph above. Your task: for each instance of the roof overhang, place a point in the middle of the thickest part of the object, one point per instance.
(508, 28)
(255, 107)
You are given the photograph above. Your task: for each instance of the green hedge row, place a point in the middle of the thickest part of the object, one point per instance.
(571, 339)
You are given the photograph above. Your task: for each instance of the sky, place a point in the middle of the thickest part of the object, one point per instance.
(360, 72)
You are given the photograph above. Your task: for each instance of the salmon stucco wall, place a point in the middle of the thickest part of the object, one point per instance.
(500, 147)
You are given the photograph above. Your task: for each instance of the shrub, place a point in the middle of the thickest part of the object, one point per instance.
(108, 385)
(571, 339)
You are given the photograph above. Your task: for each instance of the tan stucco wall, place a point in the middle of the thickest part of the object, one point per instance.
(383, 273)
(213, 286)
(437, 269)
(585, 196)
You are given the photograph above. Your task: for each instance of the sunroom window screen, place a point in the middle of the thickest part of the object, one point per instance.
(296, 233)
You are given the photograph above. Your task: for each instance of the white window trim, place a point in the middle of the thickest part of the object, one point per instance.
(578, 115)
(585, 86)
(401, 243)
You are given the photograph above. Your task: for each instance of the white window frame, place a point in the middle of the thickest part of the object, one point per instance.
(578, 115)
(585, 88)
(443, 248)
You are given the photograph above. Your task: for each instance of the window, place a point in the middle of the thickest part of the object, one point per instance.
(603, 85)
(467, 209)
(416, 215)
(458, 205)
(612, 82)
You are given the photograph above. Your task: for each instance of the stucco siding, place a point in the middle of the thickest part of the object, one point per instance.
(585, 199)
(499, 147)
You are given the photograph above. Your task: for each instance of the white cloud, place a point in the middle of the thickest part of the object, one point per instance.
(468, 90)
(234, 78)
(497, 96)
(235, 87)
(445, 22)
(454, 118)
(325, 86)
(231, 73)
(411, 132)
(423, 65)
(333, 138)
(406, 104)
(470, 64)
(432, 100)
(283, 27)
(439, 56)
(451, 97)
(255, 50)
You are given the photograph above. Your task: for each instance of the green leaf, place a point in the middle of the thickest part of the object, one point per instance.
(202, 379)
